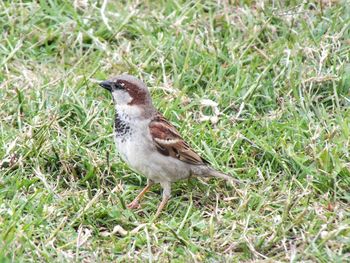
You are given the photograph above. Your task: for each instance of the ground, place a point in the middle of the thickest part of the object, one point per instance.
(260, 89)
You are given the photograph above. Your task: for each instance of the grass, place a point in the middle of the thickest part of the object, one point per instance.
(277, 77)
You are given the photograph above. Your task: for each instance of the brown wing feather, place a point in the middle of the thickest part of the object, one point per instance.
(169, 142)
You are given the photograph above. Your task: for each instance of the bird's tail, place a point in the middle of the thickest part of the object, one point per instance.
(211, 172)
(221, 175)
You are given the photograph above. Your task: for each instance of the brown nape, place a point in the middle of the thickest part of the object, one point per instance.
(139, 95)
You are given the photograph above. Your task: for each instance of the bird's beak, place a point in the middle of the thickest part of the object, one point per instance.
(106, 84)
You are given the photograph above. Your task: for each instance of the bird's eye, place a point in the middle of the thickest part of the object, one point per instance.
(119, 85)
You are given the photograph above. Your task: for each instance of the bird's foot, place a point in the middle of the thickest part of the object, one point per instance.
(134, 205)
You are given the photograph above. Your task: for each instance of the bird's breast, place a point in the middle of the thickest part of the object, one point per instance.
(132, 140)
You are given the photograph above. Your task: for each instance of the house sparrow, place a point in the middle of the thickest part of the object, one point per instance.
(149, 143)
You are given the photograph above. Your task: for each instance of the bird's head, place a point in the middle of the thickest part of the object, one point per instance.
(128, 91)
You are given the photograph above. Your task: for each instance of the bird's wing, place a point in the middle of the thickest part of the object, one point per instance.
(169, 142)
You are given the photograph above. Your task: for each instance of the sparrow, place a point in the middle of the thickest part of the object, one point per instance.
(149, 143)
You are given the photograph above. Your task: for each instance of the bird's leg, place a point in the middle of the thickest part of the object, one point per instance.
(135, 203)
(166, 195)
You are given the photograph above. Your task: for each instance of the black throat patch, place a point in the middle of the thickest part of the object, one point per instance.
(121, 125)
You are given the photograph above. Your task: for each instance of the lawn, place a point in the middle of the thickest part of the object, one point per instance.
(260, 89)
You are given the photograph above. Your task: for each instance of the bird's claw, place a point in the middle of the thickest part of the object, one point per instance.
(134, 205)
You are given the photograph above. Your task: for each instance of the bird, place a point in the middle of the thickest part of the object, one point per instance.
(149, 143)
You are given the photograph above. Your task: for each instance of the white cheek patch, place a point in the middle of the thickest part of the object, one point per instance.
(122, 100)
(121, 97)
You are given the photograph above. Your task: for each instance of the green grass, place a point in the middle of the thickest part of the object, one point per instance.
(280, 75)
